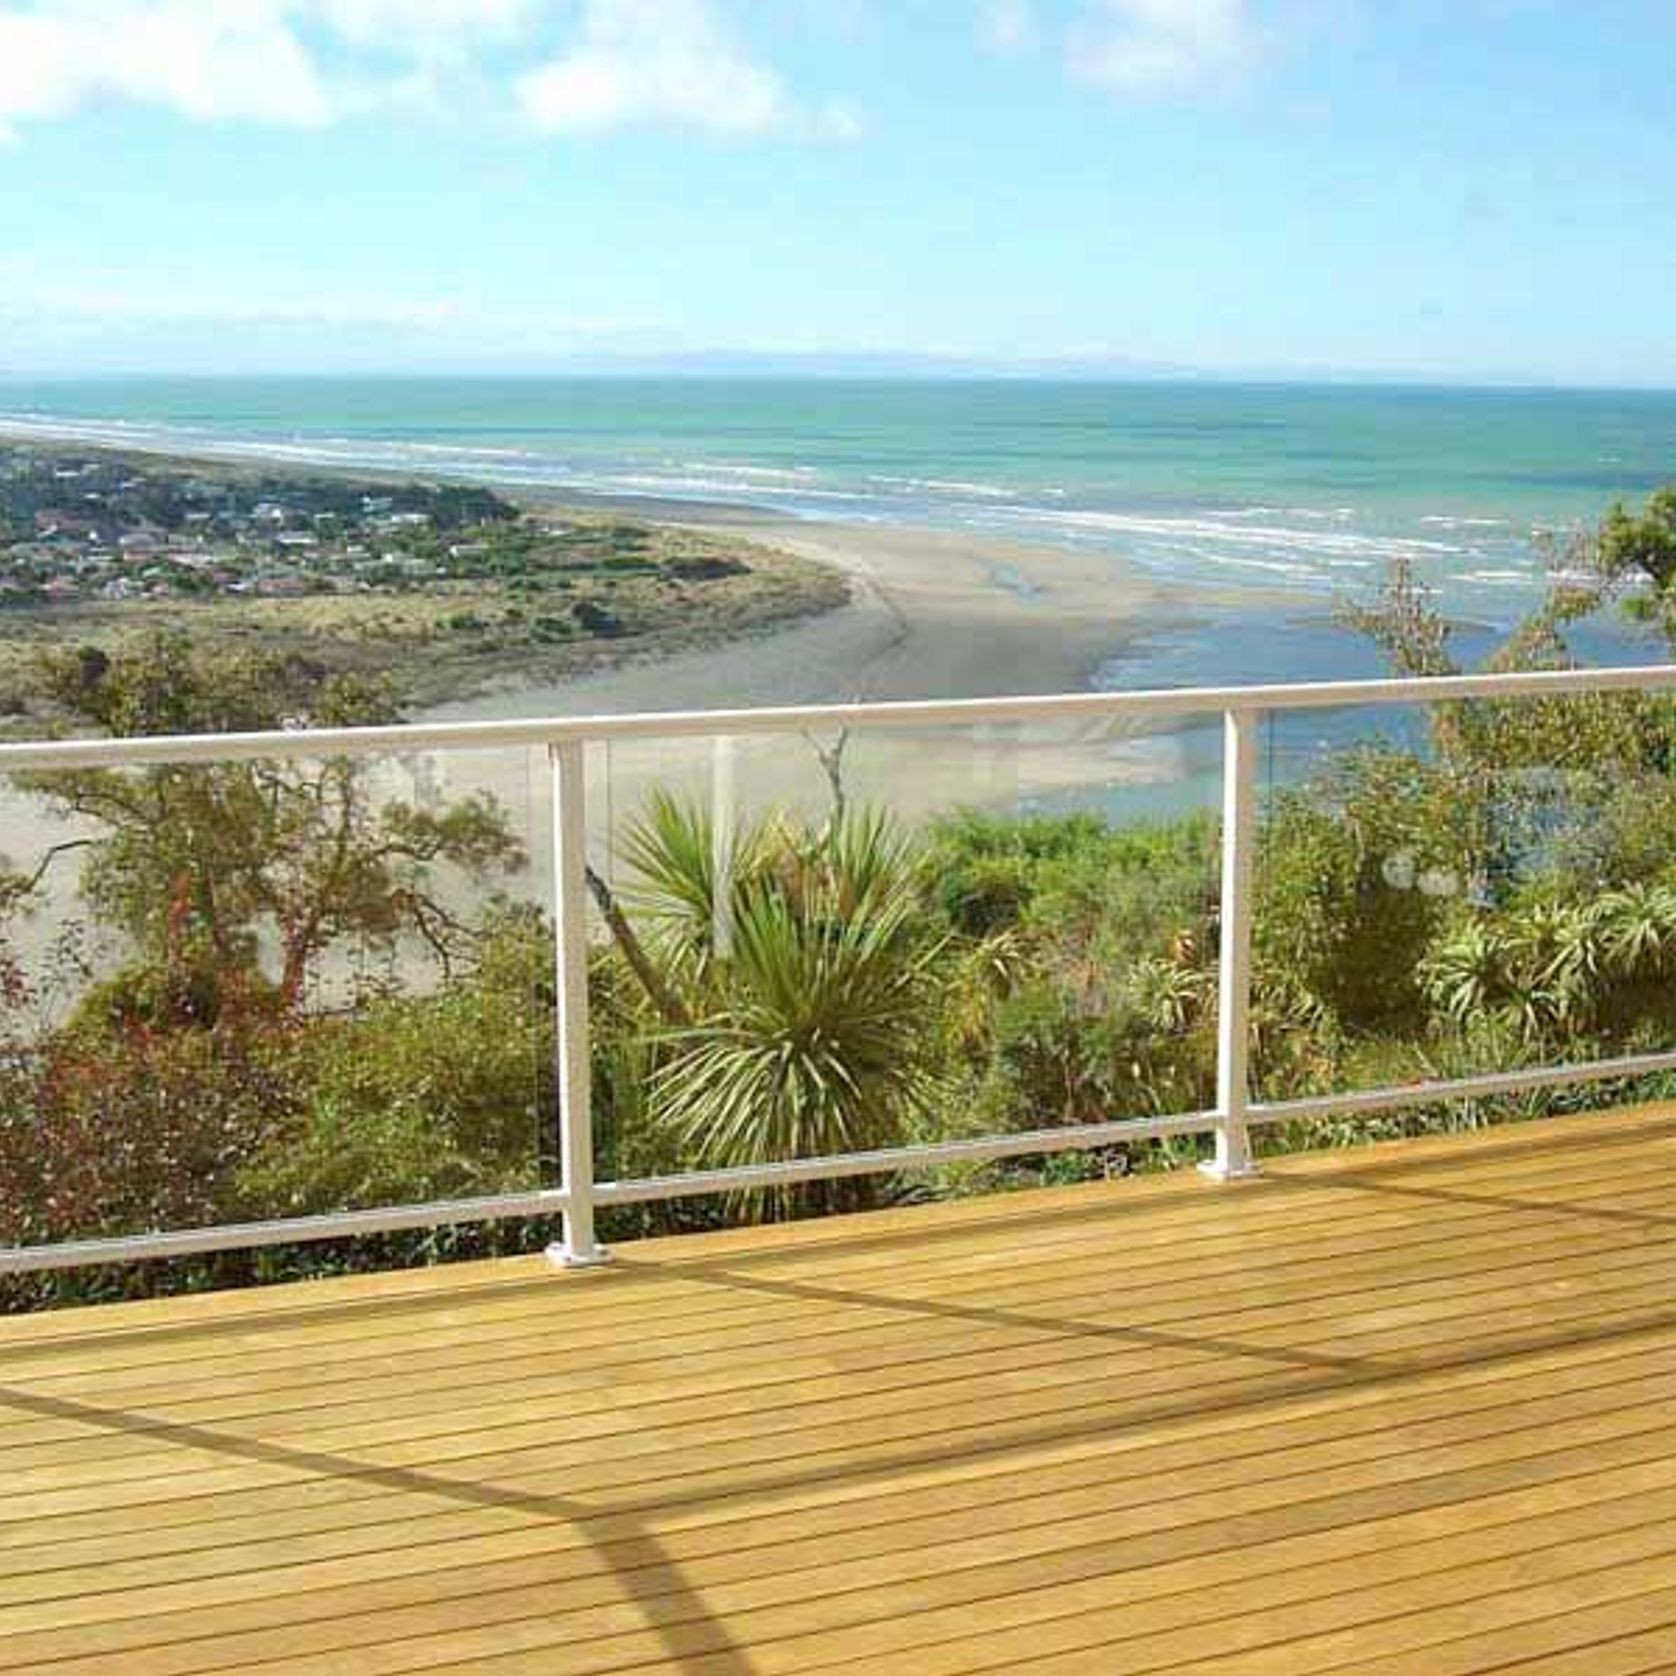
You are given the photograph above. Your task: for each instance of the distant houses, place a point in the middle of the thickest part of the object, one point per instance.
(100, 529)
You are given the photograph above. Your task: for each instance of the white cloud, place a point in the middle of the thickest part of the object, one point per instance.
(427, 30)
(375, 21)
(1140, 47)
(669, 63)
(216, 60)
(306, 63)
(1007, 26)
(207, 59)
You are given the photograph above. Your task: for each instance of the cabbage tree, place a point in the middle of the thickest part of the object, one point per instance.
(808, 976)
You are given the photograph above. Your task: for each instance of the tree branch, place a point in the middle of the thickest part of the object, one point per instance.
(26, 885)
(671, 1009)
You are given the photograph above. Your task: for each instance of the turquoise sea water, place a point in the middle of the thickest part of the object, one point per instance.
(1301, 493)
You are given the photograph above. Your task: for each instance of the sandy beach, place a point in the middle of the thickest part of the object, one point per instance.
(933, 614)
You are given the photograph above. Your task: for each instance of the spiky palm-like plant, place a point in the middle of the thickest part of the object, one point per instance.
(813, 1046)
(686, 882)
(1565, 974)
(809, 973)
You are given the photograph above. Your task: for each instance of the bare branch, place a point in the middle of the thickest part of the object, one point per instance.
(671, 1009)
(831, 759)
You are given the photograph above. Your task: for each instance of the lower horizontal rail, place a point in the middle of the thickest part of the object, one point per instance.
(301, 1230)
(137, 1248)
(1034, 1142)
(1461, 1088)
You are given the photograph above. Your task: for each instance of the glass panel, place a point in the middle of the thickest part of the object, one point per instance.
(1478, 888)
(273, 989)
(829, 943)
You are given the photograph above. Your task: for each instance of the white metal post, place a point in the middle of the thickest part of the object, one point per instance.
(579, 1249)
(1233, 1007)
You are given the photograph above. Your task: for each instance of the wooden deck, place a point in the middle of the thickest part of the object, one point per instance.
(1410, 1410)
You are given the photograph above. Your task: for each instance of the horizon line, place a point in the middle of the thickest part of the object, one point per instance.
(953, 371)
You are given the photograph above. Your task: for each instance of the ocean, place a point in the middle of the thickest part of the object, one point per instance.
(1299, 493)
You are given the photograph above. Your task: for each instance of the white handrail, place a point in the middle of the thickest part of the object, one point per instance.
(565, 738)
(405, 738)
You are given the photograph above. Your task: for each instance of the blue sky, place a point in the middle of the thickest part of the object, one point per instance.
(1469, 189)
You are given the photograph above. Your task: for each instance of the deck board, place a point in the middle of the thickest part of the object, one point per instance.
(1408, 1409)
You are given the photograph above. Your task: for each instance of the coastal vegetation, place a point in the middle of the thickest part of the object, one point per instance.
(445, 587)
(328, 995)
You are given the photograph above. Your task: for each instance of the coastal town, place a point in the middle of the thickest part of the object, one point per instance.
(446, 585)
(98, 526)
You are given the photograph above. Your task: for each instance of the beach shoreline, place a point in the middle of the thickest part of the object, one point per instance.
(935, 611)
(932, 614)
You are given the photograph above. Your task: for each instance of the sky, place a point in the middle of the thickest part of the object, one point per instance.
(1468, 190)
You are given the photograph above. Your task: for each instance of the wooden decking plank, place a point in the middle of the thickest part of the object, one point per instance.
(1378, 1409)
(1239, 1264)
(1641, 1432)
(1544, 1633)
(1623, 1655)
(1217, 1608)
(1017, 1346)
(1210, 1421)
(198, 1641)
(997, 1572)
(1435, 1296)
(597, 1294)
(1183, 1470)
(190, 1641)
(1228, 1436)
(1650, 1360)
(1548, 1627)
(1012, 1630)
(1316, 1286)
(1434, 1604)
(1543, 1612)
(743, 1464)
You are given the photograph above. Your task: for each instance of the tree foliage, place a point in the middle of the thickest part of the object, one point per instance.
(202, 866)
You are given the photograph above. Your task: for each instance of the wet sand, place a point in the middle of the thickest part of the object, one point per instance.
(933, 615)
